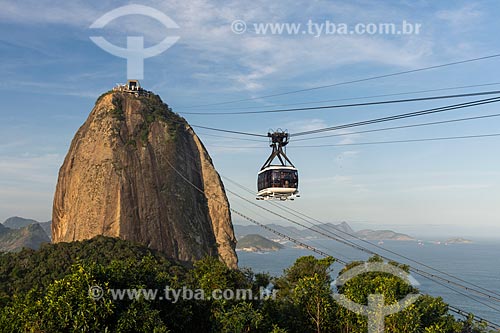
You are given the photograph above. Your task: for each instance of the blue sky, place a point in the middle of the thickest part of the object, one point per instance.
(52, 74)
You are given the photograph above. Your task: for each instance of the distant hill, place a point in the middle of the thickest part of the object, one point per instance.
(242, 230)
(383, 235)
(31, 236)
(343, 229)
(254, 243)
(458, 240)
(17, 222)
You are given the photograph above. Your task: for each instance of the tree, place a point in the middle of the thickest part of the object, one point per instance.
(48, 291)
(65, 307)
(239, 318)
(303, 300)
(313, 294)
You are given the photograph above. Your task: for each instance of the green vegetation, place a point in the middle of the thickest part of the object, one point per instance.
(153, 109)
(157, 110)
(132, 143)
(117, 113)
(48, 291)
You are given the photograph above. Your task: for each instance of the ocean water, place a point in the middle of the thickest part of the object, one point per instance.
(477, 263)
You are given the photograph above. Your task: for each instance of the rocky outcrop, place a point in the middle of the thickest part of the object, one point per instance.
(137, 171)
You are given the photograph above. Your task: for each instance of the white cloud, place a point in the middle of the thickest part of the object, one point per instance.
(53, 12)
(461, 16)
(348, 154)
(348, 139)
(248, 62)
(305, 125)
(251, 81)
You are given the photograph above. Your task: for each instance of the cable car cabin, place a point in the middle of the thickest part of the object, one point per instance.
(277, 181)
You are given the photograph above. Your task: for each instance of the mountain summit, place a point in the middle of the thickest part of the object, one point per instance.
(126, 175)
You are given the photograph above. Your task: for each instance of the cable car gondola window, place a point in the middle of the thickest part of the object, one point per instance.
(276, 179)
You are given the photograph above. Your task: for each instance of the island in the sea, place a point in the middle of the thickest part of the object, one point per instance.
(319, 230)
(458, 240)
(257, 243)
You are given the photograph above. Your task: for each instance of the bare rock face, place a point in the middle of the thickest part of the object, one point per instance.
(126, 175)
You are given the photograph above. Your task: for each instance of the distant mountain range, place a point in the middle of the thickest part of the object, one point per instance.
(342, 229)
(17, 233)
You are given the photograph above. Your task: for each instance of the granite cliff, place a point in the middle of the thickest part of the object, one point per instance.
(127, 175)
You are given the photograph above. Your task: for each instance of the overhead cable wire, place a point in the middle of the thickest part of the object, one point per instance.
(374, 143)
(365, 131)
(404, 126)
(354, 98)
(328, 234)
(185, 123)
(310, 241)
(229, 131)
(422, 273)
(324, 254)
(361, 123)
(203, 192)
(295, 241)
(308, 218)
(341, 106)
(230, 137)
(371, 78)
(402, 116)
(397, 254)
(463, 137)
